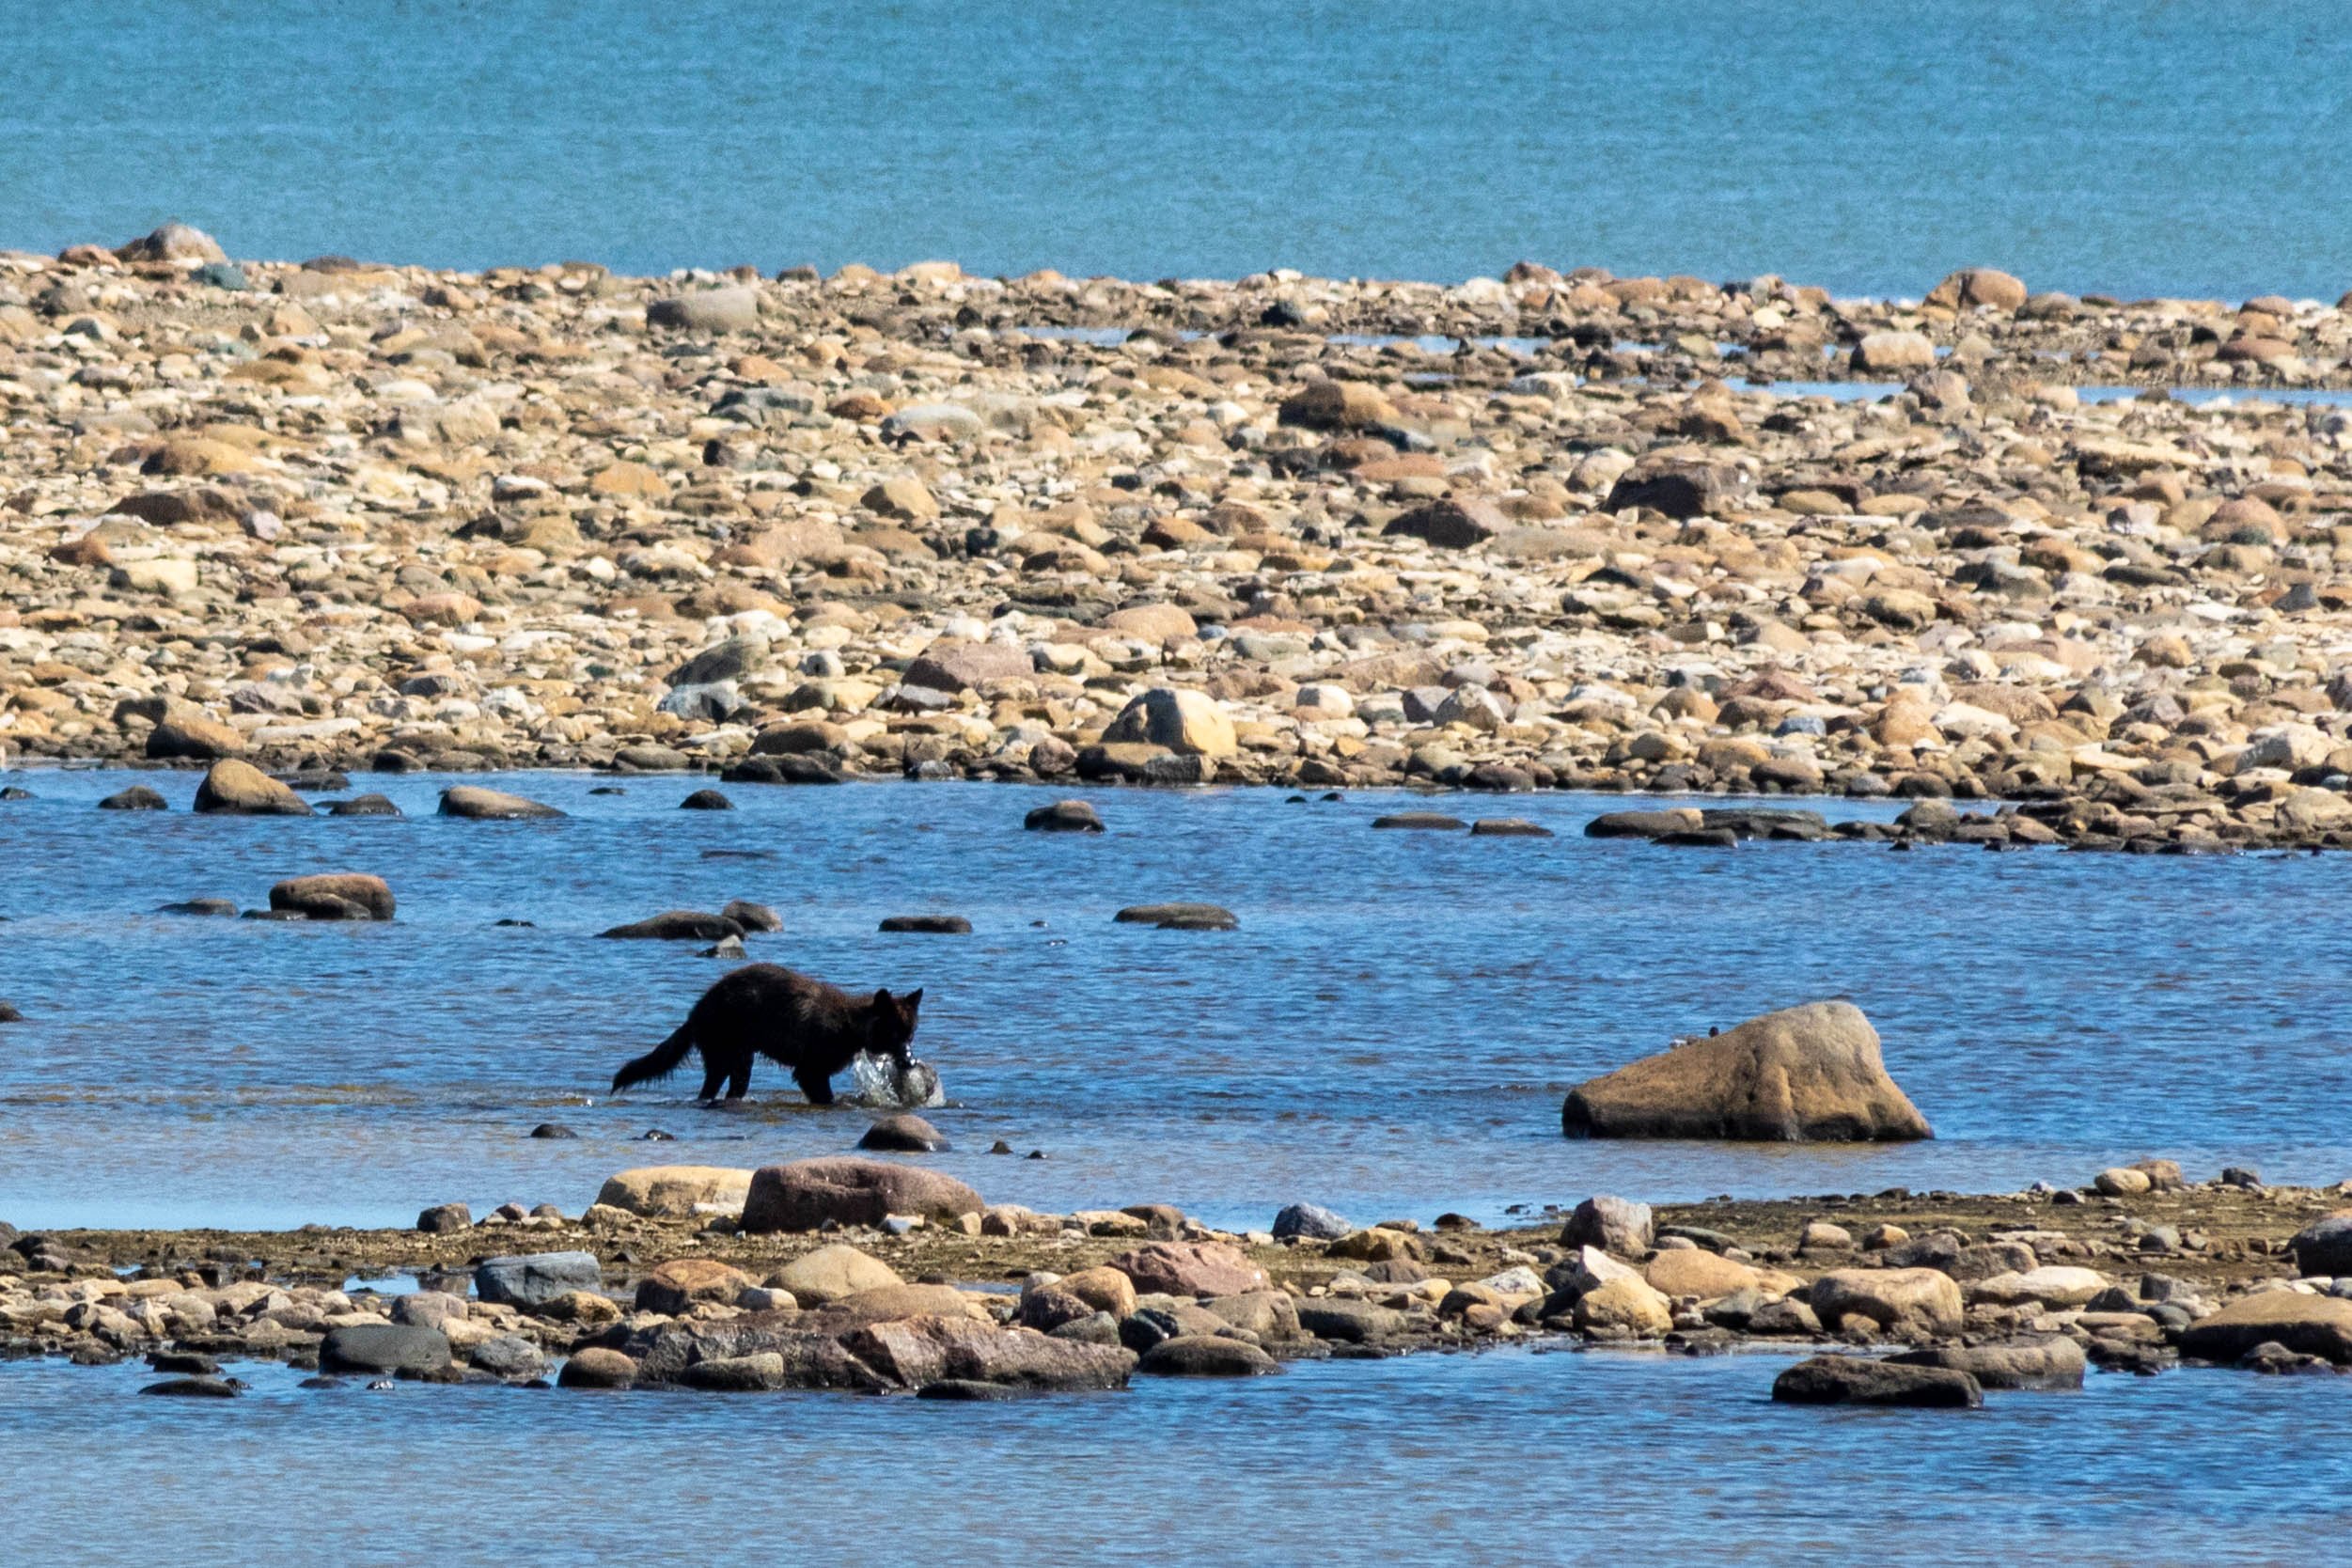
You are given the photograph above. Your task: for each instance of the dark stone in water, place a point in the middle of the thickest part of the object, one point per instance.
(1063, 816)
(968, 1389)
(654, 1134)
(192, 1388)
(1508, 827)
(608, 789)
(15, 793)
(1179, 916)
(677, 925)
(362, 806)
(138, 797)
(8, 1015)
(383, 1348)
(938, 925)
(184, 1363)
(315, 779)
(553, 1129)
(752, 917)
(706, 800)
(905, 1134)
(1427, 822)
(511, 920)
(794, 768)
(1857, 1380)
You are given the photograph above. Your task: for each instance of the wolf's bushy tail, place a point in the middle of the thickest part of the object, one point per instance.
(659, 1062)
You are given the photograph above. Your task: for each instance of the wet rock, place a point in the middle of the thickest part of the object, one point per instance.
(914, 1352)
(597, 1368)
(388, 1347)
(1508, 827)
(752, 917)
(905, 1134)
(362, 806)
(335, 897)
(1206, 1356)
(936, 925)
(2317, 1326)
(473, 801)
(138, 797)
(2054, 1362)
(804, 1195)
(1063, 816)
(191, 1387)
(1425, 822)
(534, 1280)
(1179, 916)
(1856, 1380)
(553, 1129)
(1311, 1222)
(1804, 1073)
(234, 788)
(706, 800)
(676, 925)
(676, 1190)
(443, 1218)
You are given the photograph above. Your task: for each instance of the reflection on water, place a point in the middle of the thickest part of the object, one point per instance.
(1391, 1030)
(1509, 1456)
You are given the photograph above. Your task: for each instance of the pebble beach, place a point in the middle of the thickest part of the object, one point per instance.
(2075, 556)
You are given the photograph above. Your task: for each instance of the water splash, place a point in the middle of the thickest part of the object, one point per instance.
(882, 1086)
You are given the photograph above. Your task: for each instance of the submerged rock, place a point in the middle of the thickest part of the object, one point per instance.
(473, 801)
(1809, 1072)
(336, 896)
(1857, 1380)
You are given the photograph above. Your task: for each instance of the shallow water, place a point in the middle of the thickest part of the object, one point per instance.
(2135, 146)
(1511, 1456)
(1390, 1031)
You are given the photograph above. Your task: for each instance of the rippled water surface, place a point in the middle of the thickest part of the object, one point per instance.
(2137, 146)
(1506, 1457)
(1390, 1031)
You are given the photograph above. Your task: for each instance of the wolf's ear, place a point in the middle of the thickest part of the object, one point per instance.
(913, 1000)
(882, 997)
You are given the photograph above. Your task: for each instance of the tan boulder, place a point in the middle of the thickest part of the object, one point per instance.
(1187, 722)
(238, 789)
(2309, 1325)
(1627, 1308)
(1803, 1072)
(672, 1287)
(1917, 1302)
(832, 1273)
(1695, 1272)
(803, 1195)
(677, 1190)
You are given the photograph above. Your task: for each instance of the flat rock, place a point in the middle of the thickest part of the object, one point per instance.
(537, 1279)
(483, 805)
(1206, 1356)
(1857, 1380)
(677, 1190)
(805, 1194)
(389, 1347)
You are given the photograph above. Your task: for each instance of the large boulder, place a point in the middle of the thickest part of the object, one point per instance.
(735, 308)
(1616, 1225)
(2325, 1246)
(805, 1194)
(948, 665)
(1190, 1269)
(2309, 1325)
(1856, 1380)
(385, 1347)
(1309, 1221)
(677, 925)
(471, 800)
(1693, 1271)
(1187, 722)
(1206, 1356)
(833, 1273)
(1920, 1303)
(2052, 1285)
(334, 895)
(238, 789)
(194, 736)
(672, 1287)
(537, 1279)
(1626, 1308)
(677, 1190)
(913, 1352)
(2055, 1362)
(1803, 1072)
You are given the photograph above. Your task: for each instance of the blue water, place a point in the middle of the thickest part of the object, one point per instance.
(1390, 1031)
(2135, 146)
(1504, 1457)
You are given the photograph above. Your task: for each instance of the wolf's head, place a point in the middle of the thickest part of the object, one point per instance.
(890, 1025)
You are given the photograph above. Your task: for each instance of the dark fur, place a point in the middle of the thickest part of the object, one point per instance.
(802, 1024)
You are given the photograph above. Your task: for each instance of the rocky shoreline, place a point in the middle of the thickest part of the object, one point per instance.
(1925, 1299)
(337, 515)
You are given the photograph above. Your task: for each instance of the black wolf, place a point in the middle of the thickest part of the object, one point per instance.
(802, 1024)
